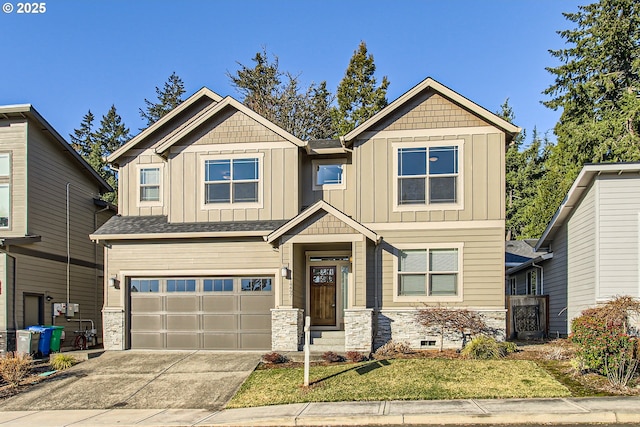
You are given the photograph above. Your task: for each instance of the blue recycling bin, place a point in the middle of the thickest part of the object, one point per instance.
(45, 339)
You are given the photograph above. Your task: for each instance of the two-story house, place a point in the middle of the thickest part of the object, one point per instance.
(231, 230)
(49, 204)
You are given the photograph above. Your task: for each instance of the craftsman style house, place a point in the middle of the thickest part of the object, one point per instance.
(231, 230)
(49, 204)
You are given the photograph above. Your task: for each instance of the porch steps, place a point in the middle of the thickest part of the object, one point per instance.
(322, 341)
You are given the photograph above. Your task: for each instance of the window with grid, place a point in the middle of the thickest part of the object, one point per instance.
(150, 184)
(231, 180)
(428, 175)
(5, 189)
(428, 272)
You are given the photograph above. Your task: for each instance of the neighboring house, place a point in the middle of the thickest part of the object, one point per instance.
(523, 274)
(231, 230)
(593, 244)
(37, 167)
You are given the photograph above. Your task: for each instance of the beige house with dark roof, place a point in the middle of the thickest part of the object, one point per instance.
(49, 204)
(231, 230)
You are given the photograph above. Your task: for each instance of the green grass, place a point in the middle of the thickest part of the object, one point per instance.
(401, 379)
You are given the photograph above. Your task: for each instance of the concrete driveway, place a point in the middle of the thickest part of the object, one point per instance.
(142, 380)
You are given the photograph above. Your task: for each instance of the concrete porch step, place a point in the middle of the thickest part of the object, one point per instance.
(327, 334)
(327, 340)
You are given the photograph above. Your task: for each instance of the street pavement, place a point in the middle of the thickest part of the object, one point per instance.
(610, 410)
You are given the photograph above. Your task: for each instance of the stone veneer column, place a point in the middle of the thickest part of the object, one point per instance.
(286, 329)
(113, 329)
(358, 329)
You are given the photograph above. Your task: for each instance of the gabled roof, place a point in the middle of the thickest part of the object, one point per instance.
(577, 190)
(28, 111)
(211, 112)
(430, 83)
(148, 131)
(322, 205)
(531, 263)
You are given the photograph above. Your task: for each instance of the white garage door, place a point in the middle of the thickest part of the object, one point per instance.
(216, 313)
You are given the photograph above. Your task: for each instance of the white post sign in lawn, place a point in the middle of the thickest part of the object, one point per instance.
(307, 336)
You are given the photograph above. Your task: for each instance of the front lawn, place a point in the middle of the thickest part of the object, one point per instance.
(399, 379)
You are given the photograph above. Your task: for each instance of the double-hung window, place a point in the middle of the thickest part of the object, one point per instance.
(428, 175)
(228, 181)
(532, 282)
(150, 184)
(429, 274)
(5, 189)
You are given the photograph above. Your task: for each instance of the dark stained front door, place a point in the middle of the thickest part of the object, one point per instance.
(323, 295)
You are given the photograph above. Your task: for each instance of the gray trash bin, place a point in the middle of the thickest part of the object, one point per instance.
(27, 341)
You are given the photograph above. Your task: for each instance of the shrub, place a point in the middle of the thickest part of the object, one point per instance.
(61, 361)
(507, 347)
(274, 358)
(392, 349)
(14, 367)
(355, 356)
(454, 322)
(331, 357)
(482, 347)
(603, 340)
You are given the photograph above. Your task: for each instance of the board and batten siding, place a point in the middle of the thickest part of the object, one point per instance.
(555, 284)
(618, 243)
(483, 264)
(13, 140)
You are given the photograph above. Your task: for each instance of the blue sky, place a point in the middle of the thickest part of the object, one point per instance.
(89, 54)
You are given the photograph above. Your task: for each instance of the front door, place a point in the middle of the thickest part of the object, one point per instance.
(323, 295)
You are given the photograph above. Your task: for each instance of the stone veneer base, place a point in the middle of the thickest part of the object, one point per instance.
(286, 329)
(113, 321)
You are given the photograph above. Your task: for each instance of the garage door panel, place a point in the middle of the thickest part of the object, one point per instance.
(146, 303)
(146, 322)
(213, 322)
(219, 303)
(153, 340)
(255, 341)
(182, 340)
(182, 303)
(221, 341)
(254, 303)
(260, 322)
(182, 322)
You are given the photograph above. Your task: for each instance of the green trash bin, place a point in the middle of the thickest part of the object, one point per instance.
(56, 337)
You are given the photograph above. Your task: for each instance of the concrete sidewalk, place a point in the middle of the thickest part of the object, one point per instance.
(441, 412)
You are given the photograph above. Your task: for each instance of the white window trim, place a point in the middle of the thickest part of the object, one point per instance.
(8, 185)
(314, 174)
(427, 298)
(238, 205)
(459, 205)
(529, 282)
(149, 203)
(513, 286)
(5, 181)
(7, 154)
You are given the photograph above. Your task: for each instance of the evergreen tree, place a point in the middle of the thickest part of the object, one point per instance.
(359, 97)
(169, 97)
(111, 135)
(597, 87)
(82, 139)
(320, 113)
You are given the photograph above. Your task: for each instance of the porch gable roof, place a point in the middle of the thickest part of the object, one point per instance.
(311, 210)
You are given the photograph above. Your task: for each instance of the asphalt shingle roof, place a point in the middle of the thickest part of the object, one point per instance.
(160, 225)
(324, 143)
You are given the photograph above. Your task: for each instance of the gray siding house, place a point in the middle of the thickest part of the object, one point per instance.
(231, 230)
(37, 166)
(593, 244)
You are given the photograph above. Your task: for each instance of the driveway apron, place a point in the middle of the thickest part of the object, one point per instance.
(142, 380)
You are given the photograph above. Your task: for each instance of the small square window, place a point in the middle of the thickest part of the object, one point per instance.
(145, 285)
(218, 285)
(256, 285)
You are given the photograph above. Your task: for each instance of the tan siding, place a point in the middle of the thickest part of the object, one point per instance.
(361, 267)
(4, 306)
(429, 110)
(322, 223)
(483, 263)
(299, 276)
(234, 126)
(13, 137)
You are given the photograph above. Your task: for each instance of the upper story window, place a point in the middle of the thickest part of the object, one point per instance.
(5, 189)
(231, 180)
(429, 273)
(428, 175)
(150, 184)
(329, 174)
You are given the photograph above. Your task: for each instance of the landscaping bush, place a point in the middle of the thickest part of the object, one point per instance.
(331, 357)
(354, 356)
(482, 347)
(603, 340)
(14, 367)
(60, 361)
(455, 323)
(392, 349)
(274, 358)
(507, 347)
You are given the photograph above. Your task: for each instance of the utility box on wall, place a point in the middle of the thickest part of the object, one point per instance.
(61, 309)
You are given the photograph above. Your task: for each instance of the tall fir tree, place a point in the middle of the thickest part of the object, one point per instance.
(597, 87)
(169, 97)
(321, 123)
(111, 135)
(358, 94)
(82, 139)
